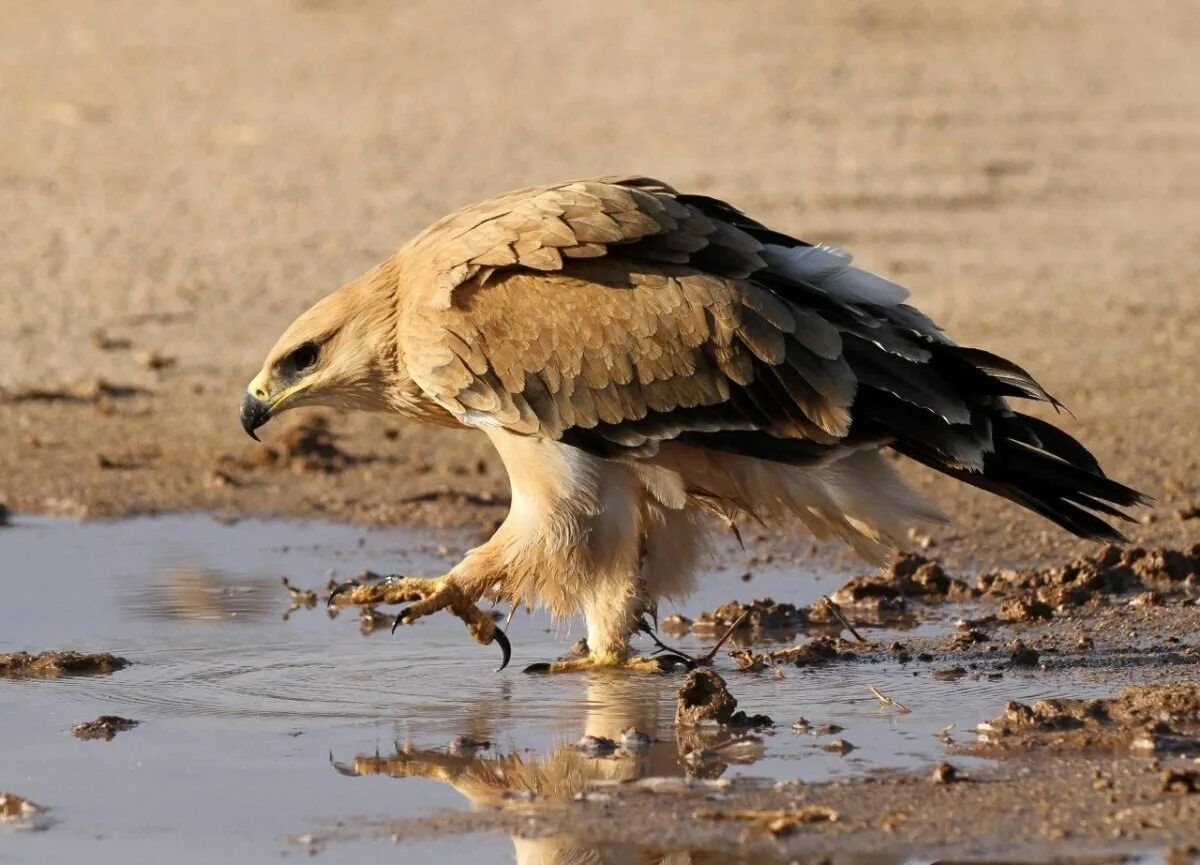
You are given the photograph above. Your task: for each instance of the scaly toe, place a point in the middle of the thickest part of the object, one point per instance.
(657, 665)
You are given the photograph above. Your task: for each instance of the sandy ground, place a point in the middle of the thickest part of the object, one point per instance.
(179, 181)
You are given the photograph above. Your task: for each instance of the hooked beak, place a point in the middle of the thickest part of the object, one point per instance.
(255, 413)
(257, 404)
(266, 397)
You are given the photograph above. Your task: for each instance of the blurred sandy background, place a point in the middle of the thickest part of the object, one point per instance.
(178, 180)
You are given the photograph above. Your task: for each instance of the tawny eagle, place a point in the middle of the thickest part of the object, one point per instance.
(642, 359)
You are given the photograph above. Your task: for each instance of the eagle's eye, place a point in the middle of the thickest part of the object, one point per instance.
(303, 357)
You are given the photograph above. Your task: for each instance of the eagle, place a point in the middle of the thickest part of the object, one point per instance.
(644, 360)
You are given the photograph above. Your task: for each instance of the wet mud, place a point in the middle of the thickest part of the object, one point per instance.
(704, 699)
(53, 664)
(235, 659)
(105, 727)
(1153, 719)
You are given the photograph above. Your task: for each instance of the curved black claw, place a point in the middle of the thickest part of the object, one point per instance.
(399, 620)
(505, 648)
(540, 667)
(339, 588)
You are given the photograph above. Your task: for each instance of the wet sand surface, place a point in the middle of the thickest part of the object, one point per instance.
(262, 736)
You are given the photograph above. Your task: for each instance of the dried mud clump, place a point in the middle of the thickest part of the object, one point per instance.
(1140, 718)
(54, 664)
(911, 577)
(967, 635)
(817, 651)
(1164, 566)
(704, 699)
(308, 447)
(1085, 580)
(926, 579)
(945, 773)
(105, 727)
(876, 594)
(1025, 610)
(813, 653)
(761, 614)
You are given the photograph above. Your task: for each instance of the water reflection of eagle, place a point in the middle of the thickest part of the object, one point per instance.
(524, 780)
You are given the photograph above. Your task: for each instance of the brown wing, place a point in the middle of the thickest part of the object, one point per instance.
(547, 228)
(623, 308)
(616, 313)
(632, 355)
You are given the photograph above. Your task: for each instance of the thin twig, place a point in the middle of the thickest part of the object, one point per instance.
(888, 701)
(702, 661)
(712, 653)
(845, 623)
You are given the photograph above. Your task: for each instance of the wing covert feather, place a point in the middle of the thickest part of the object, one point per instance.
(616, 313)
(542, 353)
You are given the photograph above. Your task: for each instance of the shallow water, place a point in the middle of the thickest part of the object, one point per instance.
(262, 736)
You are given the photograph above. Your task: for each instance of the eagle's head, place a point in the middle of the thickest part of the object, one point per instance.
(341, 352)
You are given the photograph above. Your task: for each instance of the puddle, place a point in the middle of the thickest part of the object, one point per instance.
(258, 734)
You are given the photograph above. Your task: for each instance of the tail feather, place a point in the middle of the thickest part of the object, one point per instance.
(1019, 457)
(1064, 492)
(1054, 441)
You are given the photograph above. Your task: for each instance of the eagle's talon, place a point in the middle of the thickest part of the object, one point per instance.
(339, 589)
(505, 649)
(431, 595)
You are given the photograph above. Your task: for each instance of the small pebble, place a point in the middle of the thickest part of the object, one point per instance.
(944, 773)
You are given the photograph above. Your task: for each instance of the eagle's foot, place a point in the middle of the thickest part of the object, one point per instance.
(658, 664)
(427, 595)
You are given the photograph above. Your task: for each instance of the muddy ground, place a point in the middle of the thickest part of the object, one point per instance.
(179, 181)
(1118, 774)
